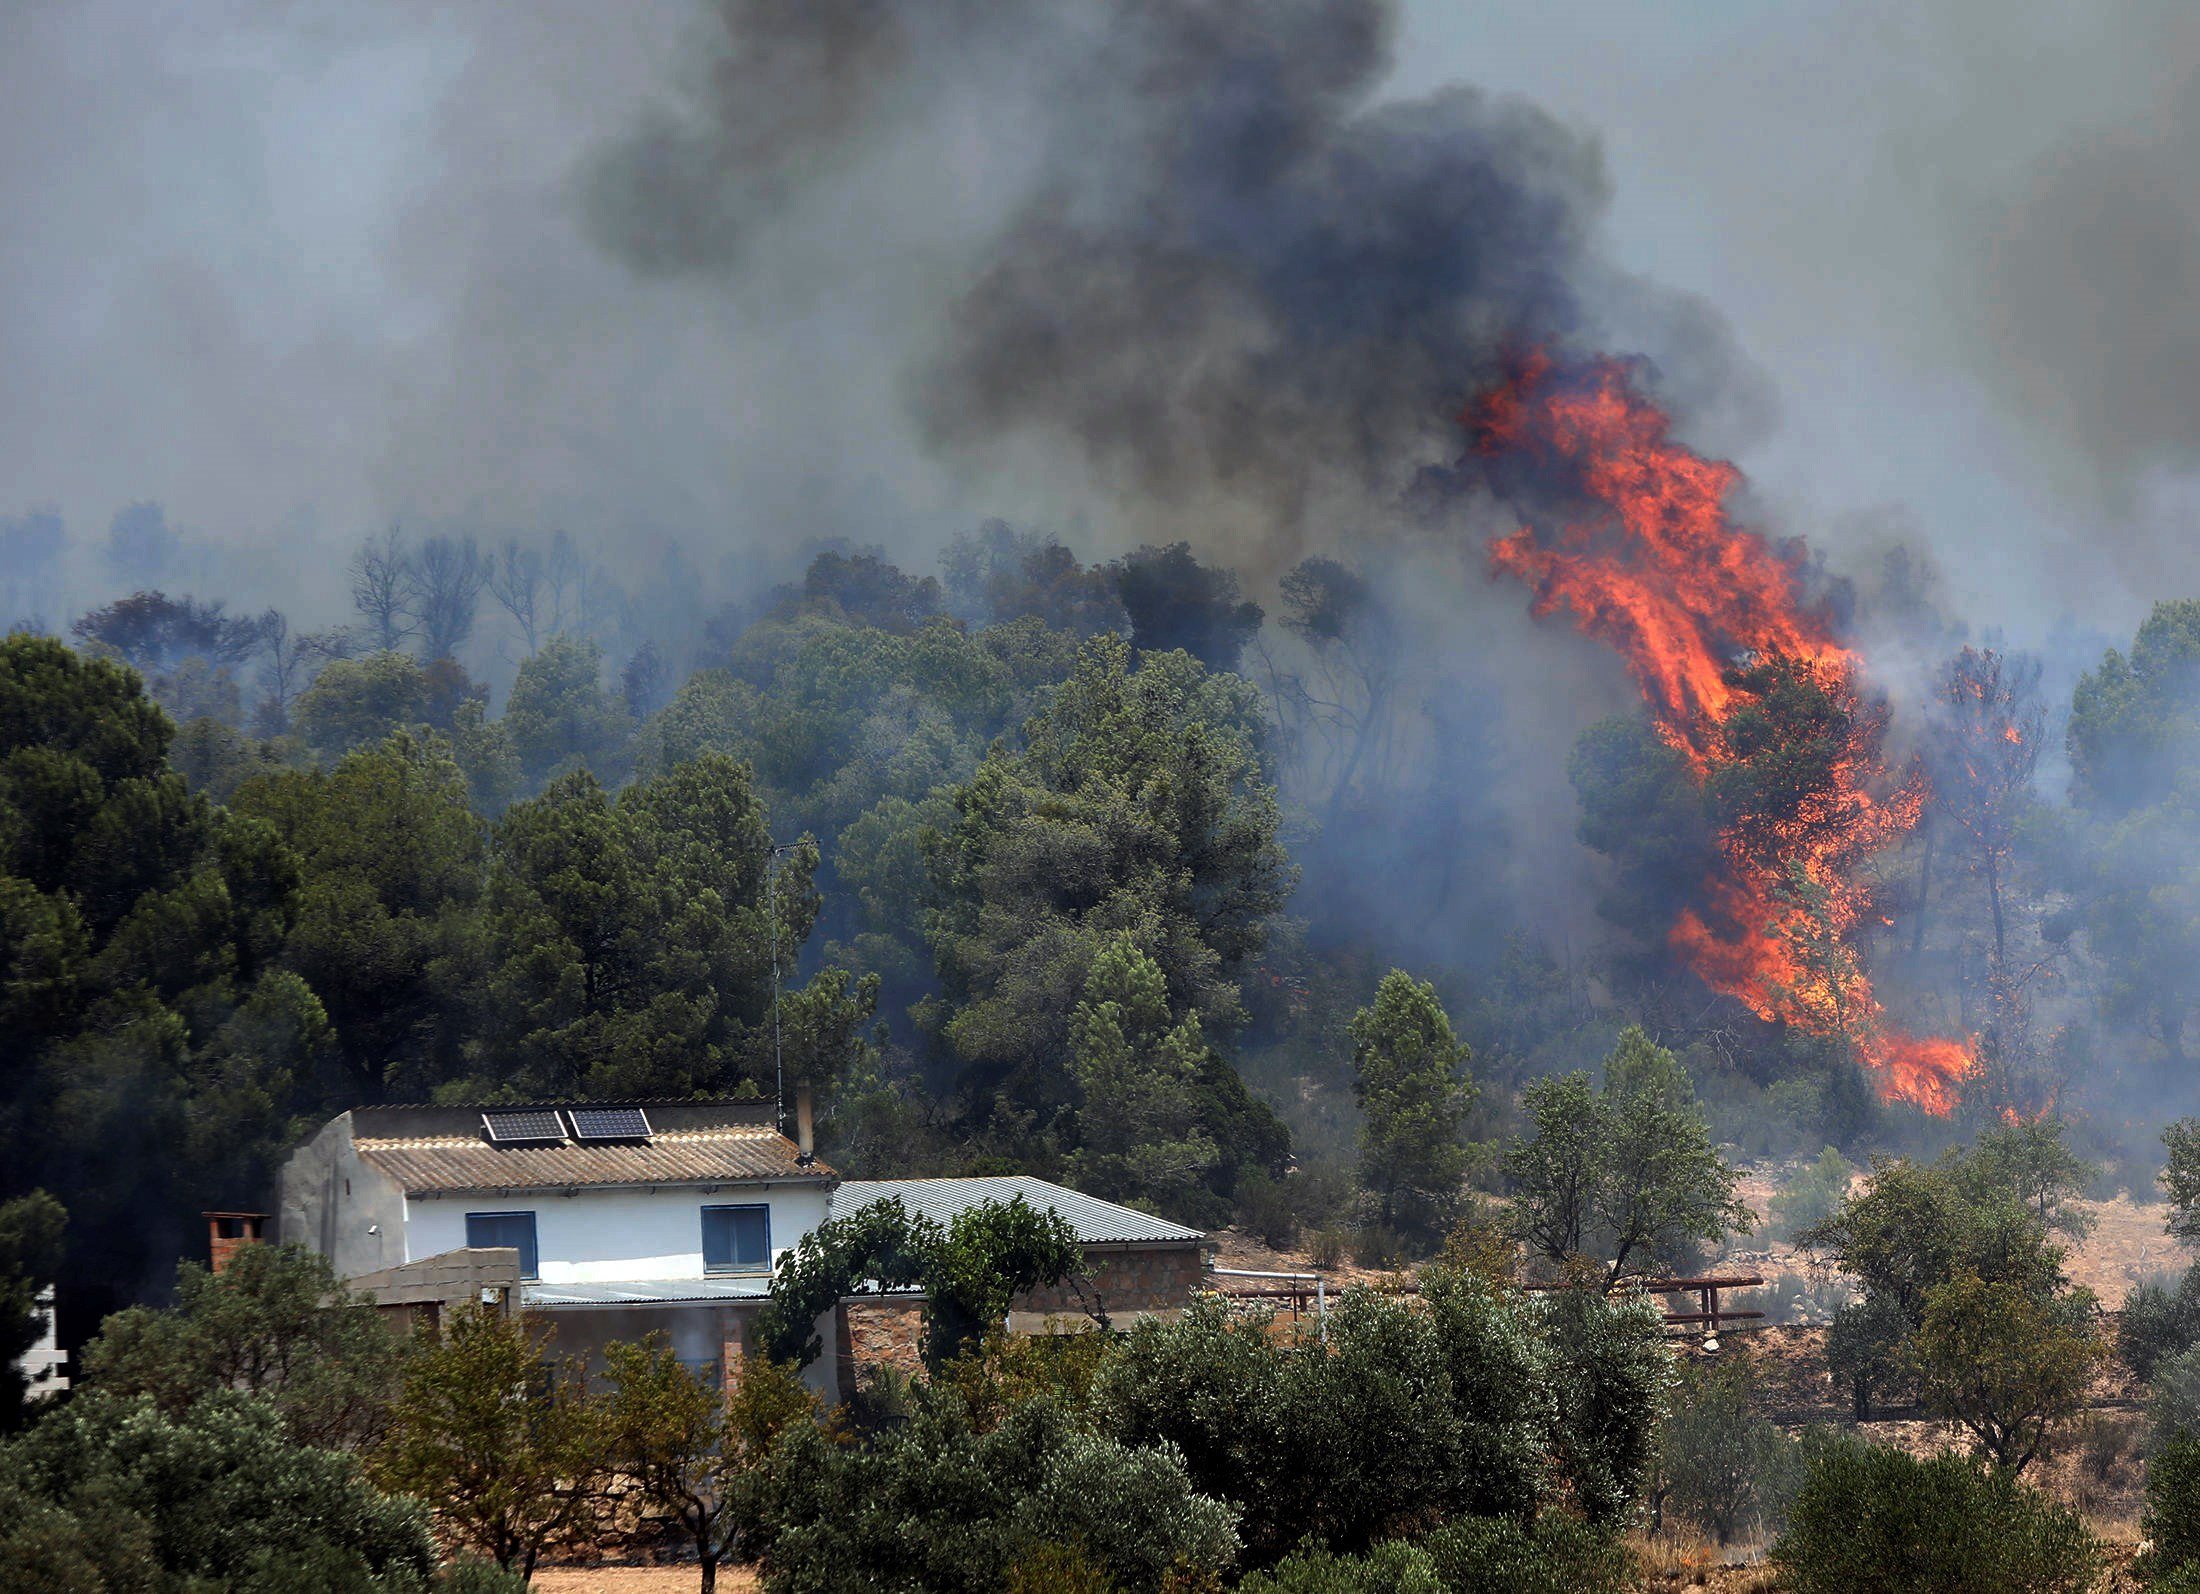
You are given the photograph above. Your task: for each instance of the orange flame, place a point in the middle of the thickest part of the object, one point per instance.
(1653, 567)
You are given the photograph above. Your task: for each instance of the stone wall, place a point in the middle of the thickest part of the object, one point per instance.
(1128, 1278)
(1119, 1279)
(881, 1334)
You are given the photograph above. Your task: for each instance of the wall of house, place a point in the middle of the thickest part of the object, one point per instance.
(1124, 1279)
(702, 1334)
(332, 1201)
(615, 1236)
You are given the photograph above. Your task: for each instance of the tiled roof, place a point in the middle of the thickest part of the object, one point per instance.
(1097, 1222)
(649, 1292)
(462, 1164)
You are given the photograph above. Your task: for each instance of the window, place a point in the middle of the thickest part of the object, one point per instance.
(513, 1229)
(737, 1239)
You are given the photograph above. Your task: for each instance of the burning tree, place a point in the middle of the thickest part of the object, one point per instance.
(1743, 679)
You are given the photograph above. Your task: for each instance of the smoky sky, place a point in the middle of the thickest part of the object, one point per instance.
(734, 275)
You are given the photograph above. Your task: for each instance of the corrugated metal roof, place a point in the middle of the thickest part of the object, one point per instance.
(648, 1292)
(469, 1165)
(1097, 1222)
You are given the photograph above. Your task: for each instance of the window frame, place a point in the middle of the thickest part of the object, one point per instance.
(528, 1253)
(722, 1269)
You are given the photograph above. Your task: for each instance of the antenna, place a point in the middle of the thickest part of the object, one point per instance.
(779, 1061)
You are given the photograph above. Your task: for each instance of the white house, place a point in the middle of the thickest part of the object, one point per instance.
(42, 1366)
(626, 1218)
(616, 1220)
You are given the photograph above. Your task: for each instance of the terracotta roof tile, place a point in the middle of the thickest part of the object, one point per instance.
(468, 1165)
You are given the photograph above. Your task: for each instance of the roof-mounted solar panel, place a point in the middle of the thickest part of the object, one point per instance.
(513, 1126)
(609, 1123)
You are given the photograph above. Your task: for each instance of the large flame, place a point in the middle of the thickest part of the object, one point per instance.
(1647, 561)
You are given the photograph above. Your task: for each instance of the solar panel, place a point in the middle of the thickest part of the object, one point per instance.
(511, 1125)
(609, 1123)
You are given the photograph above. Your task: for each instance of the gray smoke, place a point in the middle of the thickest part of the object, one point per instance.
(1217, 272)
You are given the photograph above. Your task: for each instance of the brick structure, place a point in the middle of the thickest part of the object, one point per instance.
(227, 1233)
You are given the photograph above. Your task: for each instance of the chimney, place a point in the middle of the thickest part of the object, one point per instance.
(227, 1233)
(805, 1128)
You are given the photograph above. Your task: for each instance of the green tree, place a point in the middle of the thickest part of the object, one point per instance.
(1138, 803)
(2003, 1363)
(970, 1270)
(2133, 733)
(1642, 808)
(2032, 1160)
(559, 716)
(276, 1323)
(2171, 1524)
(2180, 1178)
(694, 1453)
(939, 1503)
(630, 942)
(31, 1228)
(1401, 1417)
(1408, 1076)
(1139, 1127)
(1627, 1172)
(1612, 1373)
(121, 1495)
(386, 930)
(1870, 1519)
(499, 1439)
(1723, 1465)
(356, 703)
(150, 1027)
(1912, 1228)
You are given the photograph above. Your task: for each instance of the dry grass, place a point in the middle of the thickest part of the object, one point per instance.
(639, 1580)
(1679, 1558)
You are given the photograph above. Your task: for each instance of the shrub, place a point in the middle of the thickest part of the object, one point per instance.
(1265, 1209)
(2159, 1321)
(1375, 1246)
(1394, 1567)
(1132, 1512)
(2175, 1405)
(2171, 1522)
(939, 1505)
(1325, 1248)
(1558, 1555)
(1811, 1197)
(1613, 1375)
(1724, 1465)
(218, 1497)
(1873, 1520)
(1408, 1416)
(478, 1577)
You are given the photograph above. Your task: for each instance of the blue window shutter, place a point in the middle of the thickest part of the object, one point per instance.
(737, 1239)
(486, 1230)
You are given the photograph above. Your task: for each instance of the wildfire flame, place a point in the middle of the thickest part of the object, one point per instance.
(1648, 562)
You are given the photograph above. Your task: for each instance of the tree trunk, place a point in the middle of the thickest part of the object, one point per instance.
(1924, 890)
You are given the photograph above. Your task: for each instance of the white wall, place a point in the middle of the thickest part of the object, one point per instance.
(610, 1236)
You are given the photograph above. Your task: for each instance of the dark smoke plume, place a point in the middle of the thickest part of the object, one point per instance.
(1223, 274)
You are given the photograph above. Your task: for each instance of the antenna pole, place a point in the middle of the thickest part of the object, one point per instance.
(779, 1061)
